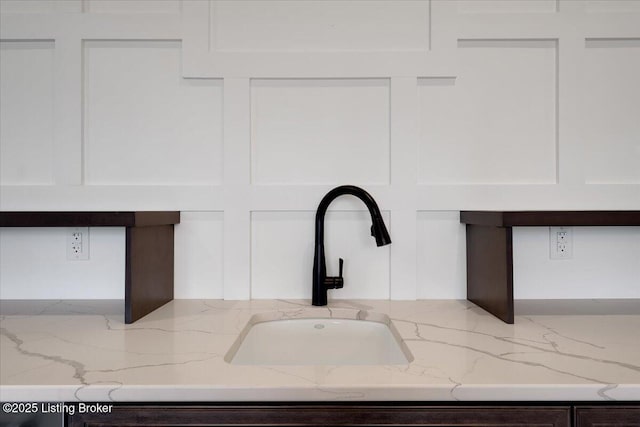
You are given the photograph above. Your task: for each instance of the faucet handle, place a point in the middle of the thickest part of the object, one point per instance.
(335, 282)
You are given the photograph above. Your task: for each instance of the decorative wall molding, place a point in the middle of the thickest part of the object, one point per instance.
(391, 83)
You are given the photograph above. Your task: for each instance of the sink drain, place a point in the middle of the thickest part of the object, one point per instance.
(318, 326)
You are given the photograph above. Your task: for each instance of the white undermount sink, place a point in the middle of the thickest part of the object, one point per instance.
(319, 341)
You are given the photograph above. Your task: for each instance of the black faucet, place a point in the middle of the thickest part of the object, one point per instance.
(378, 230)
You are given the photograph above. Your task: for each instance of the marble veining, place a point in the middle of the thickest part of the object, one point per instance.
(83, 351)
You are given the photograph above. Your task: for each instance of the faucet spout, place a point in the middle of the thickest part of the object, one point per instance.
(378, 230)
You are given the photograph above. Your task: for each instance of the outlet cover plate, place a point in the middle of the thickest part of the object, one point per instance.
(560, 242)
(78, 244)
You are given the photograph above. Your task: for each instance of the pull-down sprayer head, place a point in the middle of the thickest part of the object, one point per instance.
(379, 231)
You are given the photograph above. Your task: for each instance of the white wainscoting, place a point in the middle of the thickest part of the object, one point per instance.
(329, 26)
(314, 131)
(496, 121)
(243, 114)
(131, 6)
(143, 123)
(612, 129)
(26, 112)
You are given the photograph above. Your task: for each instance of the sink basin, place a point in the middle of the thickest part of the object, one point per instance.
(319, 341)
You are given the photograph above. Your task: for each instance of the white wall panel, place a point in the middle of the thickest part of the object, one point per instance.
(34, 264)
(131, 6)
(496, 122)
(311, 131)
(511, 6)
(611, 129)
(27, 6)
(26, 112)
(432, 106)
(613, 6)
(282, 247)
(143, 123)
(319, 25)
(605, 264)
(198, 255)
(441, 253)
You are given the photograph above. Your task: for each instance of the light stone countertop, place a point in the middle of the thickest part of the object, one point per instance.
(555, 351)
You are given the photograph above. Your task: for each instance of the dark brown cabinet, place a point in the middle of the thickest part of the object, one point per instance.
(327, 415)
(490, 248)
(607, 416)
(148, 248)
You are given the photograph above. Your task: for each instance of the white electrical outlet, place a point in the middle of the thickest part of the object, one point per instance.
(560, 242)
(78, 243)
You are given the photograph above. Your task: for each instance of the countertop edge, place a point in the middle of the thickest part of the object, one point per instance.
(437, 393)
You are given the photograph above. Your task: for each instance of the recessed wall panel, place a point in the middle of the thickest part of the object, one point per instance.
(27, 6)
(199, 255)
(282, 248)
(511, 6)
(611, 129)
(143, 123)
(319, 25)
(320, 131)
(613, 6)
(441, 252)
(131, 6)
(26, 112)
(495, 123)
